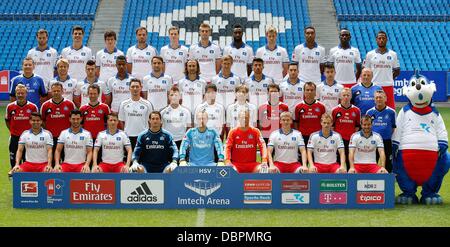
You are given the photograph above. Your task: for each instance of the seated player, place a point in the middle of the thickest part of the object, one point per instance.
(38, 144)
(155, 150)
(240, 149)
(363, 147)
(287, 143)
(201, 143)
(112, 142)
(324, 144)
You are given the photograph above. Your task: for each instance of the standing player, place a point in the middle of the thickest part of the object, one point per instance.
(292, 88)
(258, 84)
(17, 120)
(106, 59)
(140, 56)
(36, 90)
(215, 111)
(91, 79)
(156, 85)
(37, 143)
(226, 83)
(175, 56)
(241, 103)
(112, 142)
(328, 91)
(345, 58)
(192, 87)
(269, 113)
(134, 112)
(207, 54)
(276, 59)
(287, 144)
(44, 57)
(176, 118)
(346, 119)
(201, 143)
(241, 53)
(240, 149)
(119, 85)
(324, 144)
(309, 112)
(77, 54)
(94, 113)
(363, 93)
(385, 66)
(155, 149)
(71, 87)
(363, 147)
(77, 144)
(383, 123)
(310, 57)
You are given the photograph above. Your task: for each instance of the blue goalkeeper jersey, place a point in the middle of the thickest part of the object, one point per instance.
(35, 85)
(155, 150)
(201, 147)
(383, 122)
(364, 97)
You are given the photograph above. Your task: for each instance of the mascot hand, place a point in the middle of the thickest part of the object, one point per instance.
(394, 150)
(442, 150)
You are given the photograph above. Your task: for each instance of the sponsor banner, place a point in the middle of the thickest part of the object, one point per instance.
(437, 77)
(370, 197)
(92, 191)
(333, 198)
(203, 193)
(29, 189)
(370, 185)
(142, 191)
(5, 81)
(295, 185)
(55, 190)
(258, 185)
(333, 185)
(294, 198)
(257, 198)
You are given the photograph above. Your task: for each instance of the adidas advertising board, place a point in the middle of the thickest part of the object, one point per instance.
(142, 191)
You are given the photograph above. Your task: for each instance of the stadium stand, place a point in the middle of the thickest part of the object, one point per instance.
(290, 17)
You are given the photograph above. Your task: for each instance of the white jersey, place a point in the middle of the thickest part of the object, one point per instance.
(285, 146)
(119, 90)
(36, 145)
(112, 145)
(344, 61)
(175, 60)
(206, 57)
(382, 66)
(309, 61)
(257, 90)
(157, 88)
(71, 87)
(226, 94)
(416, 131)
(324, 149)
(241, 58)
(44, 62)
(84, 85)
(75, 145)
(176, 121)
(107, 63)
(192, 92)
(365, 148)
(135, 115)
(273, 61)
(77, 61)
(141, 60)
(216, 115)
(233, 112)
(329, 95)
(292, 94)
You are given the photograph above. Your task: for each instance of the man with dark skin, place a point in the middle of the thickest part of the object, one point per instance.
(242, 53)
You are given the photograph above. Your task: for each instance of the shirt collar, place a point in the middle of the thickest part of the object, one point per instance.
(221, 75)
(267, 48)
(86, 81)
(379, 52)
(70, 130)
(234, 46)
(362, 134)
(281, 132)
(46, 49)
(253, 78)
(321, 134)
(71, 47)
(197, 78)
(146, 45)
(315, 45)
(152, 75)
(200, 44)
(40, 131)
(340, 47)
(106, 51)
(59, 79)
(326, 84)
(126, 76)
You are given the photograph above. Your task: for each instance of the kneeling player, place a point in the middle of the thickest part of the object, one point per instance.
(363, 147)
(240, 149)
(155, 149)
(324, 144)
(112, 141)
(38, 144)
(287, 143)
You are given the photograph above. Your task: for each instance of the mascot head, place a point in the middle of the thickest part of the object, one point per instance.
(419, 90)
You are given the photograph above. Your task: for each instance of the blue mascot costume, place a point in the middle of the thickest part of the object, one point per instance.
(420, 145)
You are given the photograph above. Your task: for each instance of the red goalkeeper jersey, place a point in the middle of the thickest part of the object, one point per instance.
(241, 145)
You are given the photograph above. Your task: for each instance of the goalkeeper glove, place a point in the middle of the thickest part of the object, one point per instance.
(220, 163)
(264, 168)
(183, 163)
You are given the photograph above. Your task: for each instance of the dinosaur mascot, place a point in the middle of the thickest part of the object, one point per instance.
(420, 145)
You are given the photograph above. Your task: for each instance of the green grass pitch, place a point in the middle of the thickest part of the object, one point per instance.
(415, 215)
